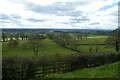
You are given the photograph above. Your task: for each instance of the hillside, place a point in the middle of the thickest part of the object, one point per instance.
(106, 71)
(48, 47)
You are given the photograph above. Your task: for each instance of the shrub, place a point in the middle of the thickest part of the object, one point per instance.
(13, 43)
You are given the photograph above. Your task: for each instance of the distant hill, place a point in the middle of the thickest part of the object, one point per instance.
(94, 31)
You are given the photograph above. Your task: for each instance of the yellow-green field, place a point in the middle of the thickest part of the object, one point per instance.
(106, 71)
(49, 47)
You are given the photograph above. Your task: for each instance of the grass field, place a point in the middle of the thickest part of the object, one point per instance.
(106, 71)
(0, 49)
(94, 40)
(48, 47)
(101, 49)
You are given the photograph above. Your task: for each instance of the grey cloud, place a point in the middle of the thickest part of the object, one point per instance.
(10, 19)
(4, 17)
(82, 19)
(70, 13)
(15, 16)
(95, 23)
(13, 19)
(64, 23)
(37, 20)
(58, 8)
(19, 1)
(75, 20)
(4, 22)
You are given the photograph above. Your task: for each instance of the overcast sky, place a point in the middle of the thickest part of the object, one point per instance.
(68, 14)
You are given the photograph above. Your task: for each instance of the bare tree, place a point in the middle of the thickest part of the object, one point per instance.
(79, 36)
(16, 36)
(75, 42)
(35, 42)
(50, 35)
(116, 45)
(113, 39)
(97, 45)
(3, 37)
(86, 35)
(90, 49)
(11, 36)
(13, 43)
(64, 39)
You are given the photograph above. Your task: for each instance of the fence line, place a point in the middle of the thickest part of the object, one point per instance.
(38, 67)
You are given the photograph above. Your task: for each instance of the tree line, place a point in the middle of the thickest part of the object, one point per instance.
(71, 40)
(67, 40)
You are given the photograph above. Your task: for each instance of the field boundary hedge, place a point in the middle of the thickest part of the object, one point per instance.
(19, 68)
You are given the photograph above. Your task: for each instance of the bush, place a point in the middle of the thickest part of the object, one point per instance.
(37, 67)
(13, 43)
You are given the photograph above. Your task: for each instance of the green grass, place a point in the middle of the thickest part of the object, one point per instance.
(106, 71)
(101, 49)
(94, 40)
(48, 48)
(0, 49)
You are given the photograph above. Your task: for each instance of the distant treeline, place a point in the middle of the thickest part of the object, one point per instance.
(95, 31)
(70, 40)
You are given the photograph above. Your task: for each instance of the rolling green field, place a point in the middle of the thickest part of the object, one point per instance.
(49, 47)
(95, 40)
(105, 71)
(0, 49)
(101, 49)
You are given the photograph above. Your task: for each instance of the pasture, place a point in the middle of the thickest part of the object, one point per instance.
(49, 47)
(0, 49)
(106, 71)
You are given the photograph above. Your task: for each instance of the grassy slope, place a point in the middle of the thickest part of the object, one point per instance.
(94, 39)
(48, 48)
(106, 71)
(0, 49)
(86, 49)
